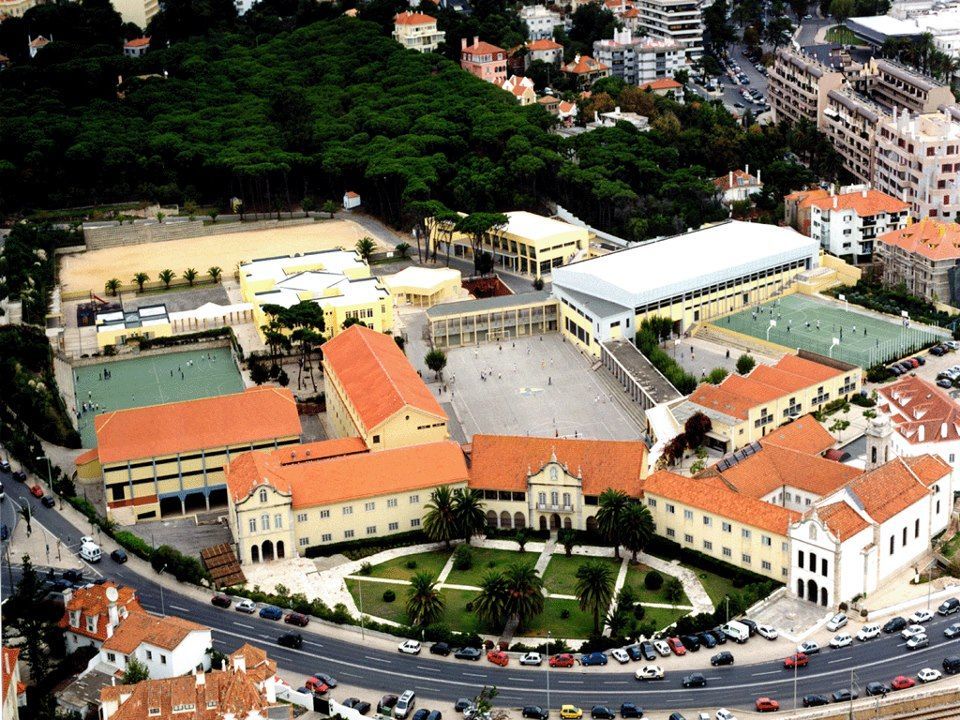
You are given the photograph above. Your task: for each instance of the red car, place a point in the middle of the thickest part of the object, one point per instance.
(799, 660)
(902, 682)
(562, 660)
(765, 704)
(296, 618)
(498, 657)
(36, 491)
(676, 646)
(316, 685)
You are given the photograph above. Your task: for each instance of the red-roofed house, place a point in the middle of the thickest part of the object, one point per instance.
(14, 691)
(417, 31)
(520, 87)
(92, 614)
(924, 257)
(167, 646)
(666, 87)
(488, 62)
(546, 50)
(136, 47)
(737, 185)
(584, 70)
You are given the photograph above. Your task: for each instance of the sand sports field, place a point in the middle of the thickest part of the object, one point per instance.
(88, 271)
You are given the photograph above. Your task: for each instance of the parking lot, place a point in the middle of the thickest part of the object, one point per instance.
(934, 365)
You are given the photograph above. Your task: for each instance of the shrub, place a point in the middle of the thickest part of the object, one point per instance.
(639, 612)
(411, 564)
(468, 607)
(389, 596)
(365, 569)
(653, 580)
(745, 363)
(843, 607)
(674, 590)
(463, 558)
(356, 549)
(564, 614)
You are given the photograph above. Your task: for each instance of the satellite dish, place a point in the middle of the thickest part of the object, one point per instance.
(112, 594)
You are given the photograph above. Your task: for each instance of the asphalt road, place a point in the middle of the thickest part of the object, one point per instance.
(379, 671)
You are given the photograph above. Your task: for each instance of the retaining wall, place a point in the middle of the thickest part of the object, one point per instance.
(116, 235)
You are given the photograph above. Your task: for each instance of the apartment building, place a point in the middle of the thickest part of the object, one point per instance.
(541, 21)
(846, 223)
(417, 31)
(850, 122)
(924, 257)
(487, 62)
(680, 21)
(798, 85)
(138, 12)
(897, 87)
(639, 60)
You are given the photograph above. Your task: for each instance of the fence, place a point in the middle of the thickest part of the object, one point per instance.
(113, 234)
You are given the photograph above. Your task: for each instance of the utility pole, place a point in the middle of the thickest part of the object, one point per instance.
(162, 607)
(795, 663)
(363, 636)
(548, 672)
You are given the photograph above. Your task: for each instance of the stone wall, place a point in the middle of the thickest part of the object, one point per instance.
(115, 234)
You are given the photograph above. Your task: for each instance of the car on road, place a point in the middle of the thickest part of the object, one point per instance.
(929, 675)
(386, 704)
(841, 640)
(796, 660)
(462, 704)
(630, 710)
(844, 695)
(921, 616)
(361, 706)
(724, 714)
(594, 658)
(694, 680)
(221, 601)
(951, 664)
(662, 647)
(440, 648)
(271, 612)
(602, 712)
(814, 700)
(868, 632)
(119, 556)
(563, 660)
(876, 688)
(808, 647)
(410, 647)
(531, 658)
(19, 476)
(291, 640)
(765, 704)
(895, 624)
(910, 630)
(316, 685)
(298, 619)
(620, 655)
(498, 657)
(902, 682)
(836, 622)
(246, 606)
(534, 712)
(948, 606)
(570, 712)
(767, 631)
(724, 657)
(467, 653)
(649, 672)
(918, 641)
(676, 646)
(952, 631)
(48, 501)
(36, 491)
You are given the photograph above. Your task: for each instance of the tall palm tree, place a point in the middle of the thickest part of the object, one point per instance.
(491, 604)
(112, 286)
(365, 247)
(595, 589)
(440, 522)
(610, 516)
(190, 275)
(214, 273)
(525, 597)
(637, 528)
(141, 279)
(166, 277)
(468, 511)
(424, 603)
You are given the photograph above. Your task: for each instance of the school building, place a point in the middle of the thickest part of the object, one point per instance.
(168, 459)
(688, 278)
(373, 392)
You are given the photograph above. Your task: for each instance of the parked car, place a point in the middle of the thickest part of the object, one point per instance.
(841, 640)
(563, 660)
(420, 714)
(534, 712)
(836, 622)
(952, 631)
(602, 712)
(724, 657)
(723, 714)
(291, 640)
(468, 653)
(921, 616)
(246, 606)
(298, 619)
(649, 672)
(808, 647)
(620, 655)
(676, 646)
(271, 612)
(73, 576)
(662, 647)
(630, 710)
(767, 631)
(498, 657)
(36, 491)
(845, 695)
(4, 466)
(405, 705)
(649, 650)
(328, 679)
(361, 706)
(868, 632)
(876, 688)
(765, 704)
(221, 601)
(462, 704)
(719, 636)
(119, 556)
(531, 658)
(316, 685)
(949, 606)
(951, 664)
(894, 624)
(690, 642)
(902, 682)
(594, 658)
(918, 641)
(48, 501)
(796, 660)
(570, 712)
(634, 652)
(694, 680)
(386, 704)
(751, 625)
(19, 476)
(440, 648)
(944, 383)
(928, 675)
(410, 647)
(815, 700)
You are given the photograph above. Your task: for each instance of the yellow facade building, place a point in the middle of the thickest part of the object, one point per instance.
(529, 244)
(338, 280)
(373, 392)
(117, 327)
(424, 287)
(168, 459)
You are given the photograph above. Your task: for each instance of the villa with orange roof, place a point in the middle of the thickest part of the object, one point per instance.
(92, 614)
(924, 258)
(137, 47)
(520, 87)
(737, 185)
(417, 31)
(373, 392)
(584, 71)
(488, 62)
(168, 646)
(544, 50)
(168, 459)
(14, 691)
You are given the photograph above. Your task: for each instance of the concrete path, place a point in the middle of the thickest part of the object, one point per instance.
(442, 577)
(691, 583)
(545, 555)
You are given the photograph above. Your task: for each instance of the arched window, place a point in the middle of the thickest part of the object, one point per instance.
(813, 531)
(873, 455)
(278, 521)
(263, 496)
(566, 499)
(265, 522)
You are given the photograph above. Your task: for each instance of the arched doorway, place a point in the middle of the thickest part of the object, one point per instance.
(491, 519)
(267, 550)
(567, 524)
(255, 553)
(280, 550)
(555, 522)
(519, 521)
(823, 596)
(800, 588)
(505, 521)
(591, 524)
(543, 522)
(812, 590)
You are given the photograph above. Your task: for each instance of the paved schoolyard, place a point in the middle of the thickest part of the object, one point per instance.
(538, 386)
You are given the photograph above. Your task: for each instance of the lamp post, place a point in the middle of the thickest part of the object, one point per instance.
(162, 607)
(363, 636)
(726, 599)
(45, 459)
(548, 672)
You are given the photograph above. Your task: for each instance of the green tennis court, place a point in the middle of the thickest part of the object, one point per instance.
(150, 381)
(813, 324)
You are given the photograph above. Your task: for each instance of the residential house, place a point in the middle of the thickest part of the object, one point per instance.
(137, 47)
(924, 257)
(37, 44)
(584, 70)
(610, 119)
(541, 21)
(521, 88)
(737, 185)
(544, 50)
(665, 87)
(488, 62)
(417, 31)
(166, 646)
(92, 614)
(351, 200)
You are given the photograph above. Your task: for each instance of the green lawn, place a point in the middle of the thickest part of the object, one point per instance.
(578, 625)
(487, 560)
(951, 546)
(661, 617)
(716, 586)
(635, 577)
(455, 614)
(373, 603)
(429, 562)
(560, 577)
(842, 35)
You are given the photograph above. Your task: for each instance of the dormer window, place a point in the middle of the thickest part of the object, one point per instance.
(74, 618)
(153, 711)
(183, 708)
(211, 704)
(92, 624)
(263, 496)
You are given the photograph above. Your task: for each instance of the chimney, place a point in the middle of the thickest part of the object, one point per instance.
(239, 662)
(836, 201)
(201, 676)
(730, 179)
(463, 43)
(617, 110)
(746, 169)
(921, 432)
(863, 192)
(476, 39)
(758, 178)
(113, 614)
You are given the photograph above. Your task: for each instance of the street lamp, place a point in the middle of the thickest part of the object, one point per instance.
(45, 459)
(548, 672)
(726, 599)
(162, 607)
(363, 636)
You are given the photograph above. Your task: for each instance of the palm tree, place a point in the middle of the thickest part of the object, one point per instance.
(215, 273)
(27, 515)
(112, 286)
(594, 589)
(440, 522)
(610, 516)
(365, 247)
(190, 275)
(468, 511)
(404, 250)
(424, 603)
(166, 276)
(141, 279)
(637, 528)
(491, 604)
(525, 597)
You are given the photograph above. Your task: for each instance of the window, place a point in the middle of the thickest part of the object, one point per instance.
(652, 502)
(707, 521)
(301, 517)
(111, 657)
(745, 558)
(163, 659)
(376, 439)
(745, 533)
(688, 538)
(371, 529)
(326, 537)
(727, 527)
(278, 521)
(891, 544)
(938, 507)
(348, 534)
(324, 514)
(688, 514)
(149, 654)
(414, 499)
(392, 502)
(264, 522)
(766, 541)
(916, 528)
(252, 524)
(542, 498)
(800, 559)
(707, 545)
(566, 499)
(823, 566)
(765, 565)
(904, 536)
(671, 532)
(370, 506)
(671, 509)
(415, 522)
(393, 526)
(263, 496)
(304, 541)
(727, 552)
(554, 498)
(348, 510)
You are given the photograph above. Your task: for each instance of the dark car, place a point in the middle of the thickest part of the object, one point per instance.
(895, 624)
(20, 476)
(440, 648)
(937, 350)
(48, 502)
(4, 466)
(462, 704)
(535, 711)
(719, 635)
(119, 556)
(602, 712)
(594, 658)
(271, 612)
(435, 715)
(221, 601)
(648, 651)
(4, 532)
(724, 657)
(707, 640)
(296, 618)
(59, 585)
(328, 680)
(951, 665)
(633, 651)
(420, 714)
(845, 695)
(815, 700)
(694, 680)
(751, 626)
(630, 710)
(949, 606)
(361, 706)
(676, 716)
(74, 576)
(386, 704)
(291, 640)
(877, 688)
(468, 653)
(690, 642)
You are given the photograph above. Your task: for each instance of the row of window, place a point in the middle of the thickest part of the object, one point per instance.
(369, 506)
(745, 558)
(746, 533)
(265, 523)
(811, 562)
(505, 495)
(348, 534)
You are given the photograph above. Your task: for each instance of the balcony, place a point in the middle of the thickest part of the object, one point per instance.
(547, 507)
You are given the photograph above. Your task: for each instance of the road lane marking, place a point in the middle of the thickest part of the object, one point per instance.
(310, 642)
(249, 627)
(515, 679)
(843, 659)
(769, 672)
(177, 607)
(376, 659)
(346, 674)
(616, 682)
(570, 682)
(479, 675)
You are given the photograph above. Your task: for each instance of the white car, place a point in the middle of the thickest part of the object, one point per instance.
(531, 658)
(929, 675)
(910, 630)
(868, 632)
(409, 647)
(87, 539)
(841, 640)
(767, 631)
(918, 641)
(921, 616)
(649, 672)
(663, 650)
(620, 655)
(246, 606)
(724, 714)
(837, 622)
(808, 647)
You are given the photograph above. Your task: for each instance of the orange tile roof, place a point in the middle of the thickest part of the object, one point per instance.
(842, 520)
(501, 462)
(712, 498)
(89, 456)
(584, 64)
(481, 48)
(927, 238)
(890, 489)
(920, 411)
(138, 42)
(928, 468)
(873, 203)
(740, 179)
(661, 84)
(92, 602)
(543, 44)
(10, 657)
(139, 628)
(259, 666)
(351, 194)
(334, 480)
(413, 18)
(376, 376)
(257, 414)
(804, 434)
(318, 450)
(630, 13)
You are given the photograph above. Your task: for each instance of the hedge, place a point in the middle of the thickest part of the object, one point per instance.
(356, 549)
